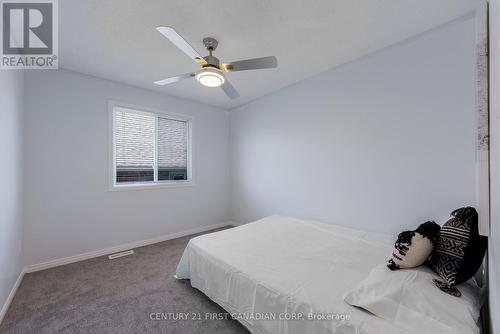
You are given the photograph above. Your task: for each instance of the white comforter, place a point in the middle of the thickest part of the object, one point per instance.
(283, 267)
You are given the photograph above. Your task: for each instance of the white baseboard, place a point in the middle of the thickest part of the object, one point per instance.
(11, 295)
(120, 248)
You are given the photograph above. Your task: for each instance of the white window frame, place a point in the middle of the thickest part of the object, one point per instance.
(113, 185)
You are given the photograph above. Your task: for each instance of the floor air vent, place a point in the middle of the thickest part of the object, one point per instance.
(120, 254)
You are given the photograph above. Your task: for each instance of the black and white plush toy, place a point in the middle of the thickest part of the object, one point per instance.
(413, 248)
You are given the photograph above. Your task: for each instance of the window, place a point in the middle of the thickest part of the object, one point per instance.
(149, 148)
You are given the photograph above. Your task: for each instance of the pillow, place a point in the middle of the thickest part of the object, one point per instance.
(459, 251)
(413, 248)
(409, 300)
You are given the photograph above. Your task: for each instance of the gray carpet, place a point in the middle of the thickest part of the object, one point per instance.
(113, 296)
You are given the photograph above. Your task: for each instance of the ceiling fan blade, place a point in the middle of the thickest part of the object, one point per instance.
(230, 91)
(251, 64)
(181, 43)
(174, 79)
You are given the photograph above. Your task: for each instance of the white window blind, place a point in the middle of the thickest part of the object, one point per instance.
(172, 143)
(149, 147)
(134, 138)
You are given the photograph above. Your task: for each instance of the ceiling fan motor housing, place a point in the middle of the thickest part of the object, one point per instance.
(211, 44)
(211, 61)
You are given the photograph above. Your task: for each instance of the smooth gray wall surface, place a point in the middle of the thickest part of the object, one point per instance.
(11, 228)
(69, 209)
(382, 143)
(494, 240)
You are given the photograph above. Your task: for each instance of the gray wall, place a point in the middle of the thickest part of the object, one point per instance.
(11, 112)
(68, 207)
(494, 240)
(382, 143)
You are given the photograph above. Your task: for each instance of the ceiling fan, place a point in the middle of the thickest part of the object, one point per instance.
(212, 73)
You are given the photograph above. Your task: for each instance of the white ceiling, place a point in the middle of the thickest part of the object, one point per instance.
(117, 40)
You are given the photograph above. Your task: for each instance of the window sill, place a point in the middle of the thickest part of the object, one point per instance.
(150, 186)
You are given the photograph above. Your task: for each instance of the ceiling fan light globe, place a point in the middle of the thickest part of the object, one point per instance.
(210, 78)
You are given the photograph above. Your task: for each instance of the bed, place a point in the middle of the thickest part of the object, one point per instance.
(278, 274)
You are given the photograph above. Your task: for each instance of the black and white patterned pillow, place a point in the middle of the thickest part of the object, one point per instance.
(413, 248)
(459, 251)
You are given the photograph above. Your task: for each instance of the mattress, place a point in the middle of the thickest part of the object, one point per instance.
(285, 275)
